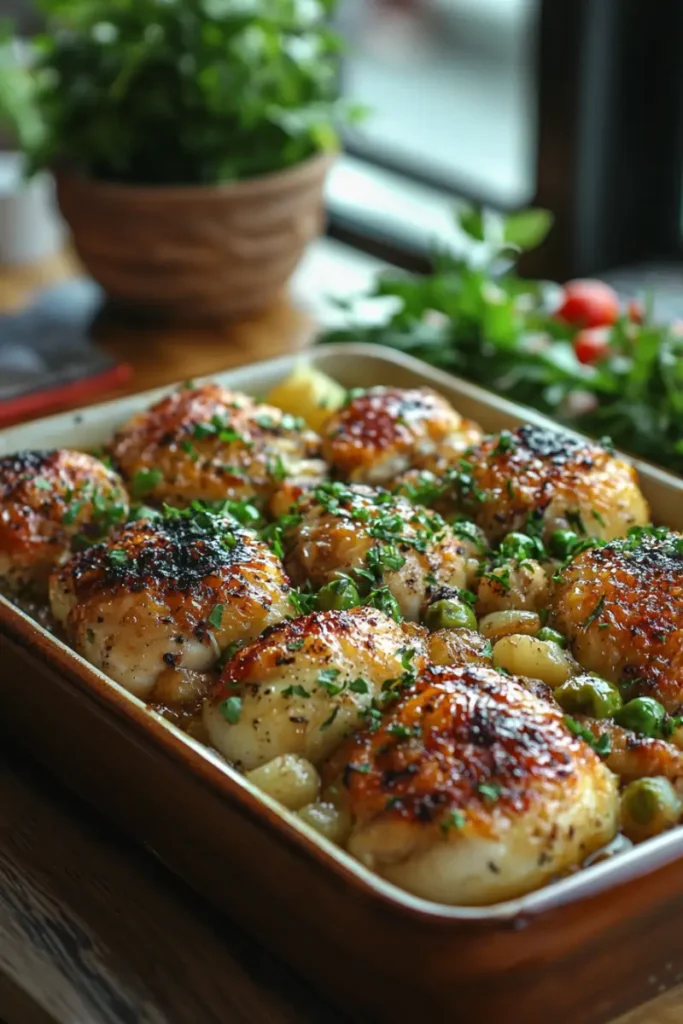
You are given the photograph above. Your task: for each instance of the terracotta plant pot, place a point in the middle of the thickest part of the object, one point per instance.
(195, 253)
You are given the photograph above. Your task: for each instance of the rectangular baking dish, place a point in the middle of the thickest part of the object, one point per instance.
(581, 950)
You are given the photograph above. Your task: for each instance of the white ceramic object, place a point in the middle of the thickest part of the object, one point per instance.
(30, 226)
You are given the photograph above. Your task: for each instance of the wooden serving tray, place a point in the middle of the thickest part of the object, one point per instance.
(581, 950)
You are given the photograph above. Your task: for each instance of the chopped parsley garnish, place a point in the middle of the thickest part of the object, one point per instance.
(453, 820)
(229, 653)
(302, 601)
(506, 443)
(145, 480)
(384, 601)
(597, 611)
(489, 790)
(231, 709)
(295, 691)
(42, 484)
(277, 469)
(328, 721)
(399, 730)
(352, 394)
(218, 427)
(465, 529)
(372, 717)
(71, 514)
(326, 679)
(359, 685)
(295, 645)
(602, 746)
(216, 616)
(118, 557)
(189, 449)
(573, 517)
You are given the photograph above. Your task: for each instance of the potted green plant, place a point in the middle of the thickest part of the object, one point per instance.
(189, 139)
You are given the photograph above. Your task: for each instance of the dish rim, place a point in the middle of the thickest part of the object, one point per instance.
(211, 769)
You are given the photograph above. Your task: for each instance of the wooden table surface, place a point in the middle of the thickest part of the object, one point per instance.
(92, 929)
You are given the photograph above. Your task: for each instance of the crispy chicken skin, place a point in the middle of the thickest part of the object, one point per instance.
(550, 475)
(211, 444)
(472, 790)
(305, 684)
(168, 593)
(633, 756)
(46, 499)
(383, 432)
(621, 607)
(350, 530)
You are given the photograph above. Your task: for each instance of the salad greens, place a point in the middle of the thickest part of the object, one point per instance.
(475, 316)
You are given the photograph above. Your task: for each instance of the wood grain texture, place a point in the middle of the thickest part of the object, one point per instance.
(91, 929)
(94, 931)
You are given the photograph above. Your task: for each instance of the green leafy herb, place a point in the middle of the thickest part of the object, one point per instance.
(145, 480)
(328, 721)
(189, 449)
(597, 611)
(231, 709)
(277, 469)
(453, 820)
(500, 330)
(118, 557)
(295, 691)
(42, 484)
(228, 654)
(489, 790)
(302, 601)
(602, 745)
(399, 730)
(188, 93)
(216, 616)
(72, 513)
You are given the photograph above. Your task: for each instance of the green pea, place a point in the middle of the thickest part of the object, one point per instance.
(589, 695)
(648, 807)
(337, 596)
(643, 715)
(546, 633)
(519, 547)
(562, 543)
(450, 613)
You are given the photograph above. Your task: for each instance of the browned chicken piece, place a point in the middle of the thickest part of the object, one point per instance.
(305, 684)
(633, 756)
(48, 499)
(383, 432)
(360, 532)
(211, 444)
(621, 607)
(168, 593)
(472, 790)
(557, 479)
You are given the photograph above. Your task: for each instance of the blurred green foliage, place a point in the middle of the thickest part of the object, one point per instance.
(163, 92)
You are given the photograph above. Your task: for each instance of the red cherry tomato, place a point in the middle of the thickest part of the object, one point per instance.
(635, 311)
(592, 345)
(589, 304)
